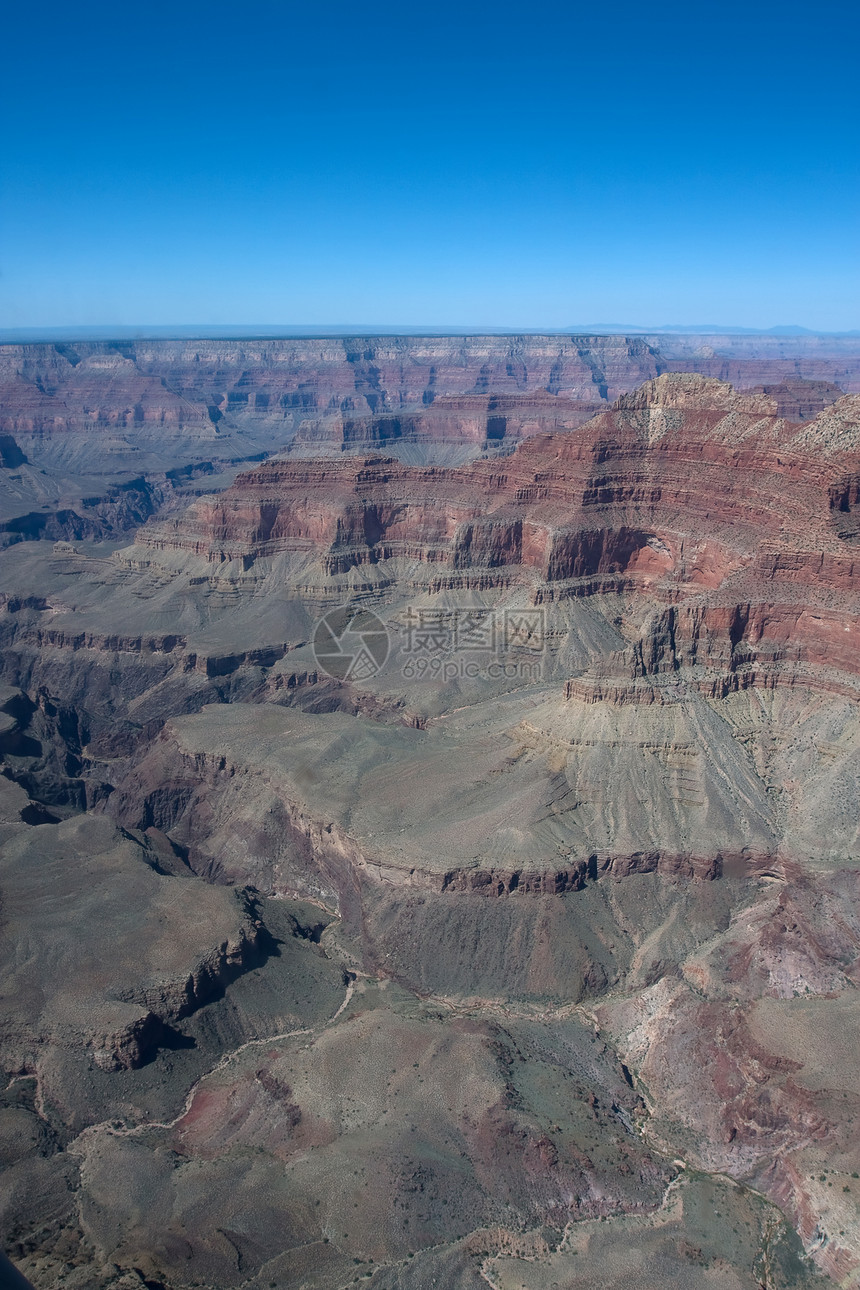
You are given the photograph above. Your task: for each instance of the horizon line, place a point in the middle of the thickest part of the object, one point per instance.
(299, 331)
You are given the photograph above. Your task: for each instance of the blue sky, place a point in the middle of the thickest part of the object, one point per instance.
(456, 163)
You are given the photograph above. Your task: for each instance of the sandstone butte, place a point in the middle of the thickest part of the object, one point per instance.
(527, 981)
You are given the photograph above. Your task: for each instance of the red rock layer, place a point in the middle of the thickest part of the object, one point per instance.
(50, 389)
(353, 390)
(740, 523)
(471, 419)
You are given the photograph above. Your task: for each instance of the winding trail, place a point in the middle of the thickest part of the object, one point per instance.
(79, 1144)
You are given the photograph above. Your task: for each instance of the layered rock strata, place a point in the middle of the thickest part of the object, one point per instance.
(741, 524)
(571, 995)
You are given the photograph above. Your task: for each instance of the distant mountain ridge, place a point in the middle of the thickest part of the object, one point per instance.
(228, 331)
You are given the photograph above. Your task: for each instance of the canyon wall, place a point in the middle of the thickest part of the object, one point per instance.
(736, 524)
(562, 955)
(86, 423)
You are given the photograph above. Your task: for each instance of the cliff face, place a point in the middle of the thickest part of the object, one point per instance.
(49, 388)
(81, 420)
(659, 453)
(524, 935)
(472, 421)
(78, 422)
(737, 525)
(137, 966)
(267, 388)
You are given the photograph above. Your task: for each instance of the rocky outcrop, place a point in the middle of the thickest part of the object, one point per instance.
(635, 459)
(567, 930)
(752, 1023)
(686, 492)
(801, 400)
(475, 421)
(115, 979)
(201, 384)
(139, 420)
(294, 850)
(250, 799)
(375, 390)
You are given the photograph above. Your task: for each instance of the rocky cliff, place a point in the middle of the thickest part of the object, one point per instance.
(81, 420)
(208, 386)
(736, 524)
(521, 957)
(88, 389)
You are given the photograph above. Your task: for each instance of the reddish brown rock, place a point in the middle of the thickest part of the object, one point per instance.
(739, 522)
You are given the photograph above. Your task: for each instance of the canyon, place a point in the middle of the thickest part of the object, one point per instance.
(95, 437)
(526, 953)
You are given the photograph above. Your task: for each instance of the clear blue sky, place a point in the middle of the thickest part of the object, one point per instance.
(544, 164)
